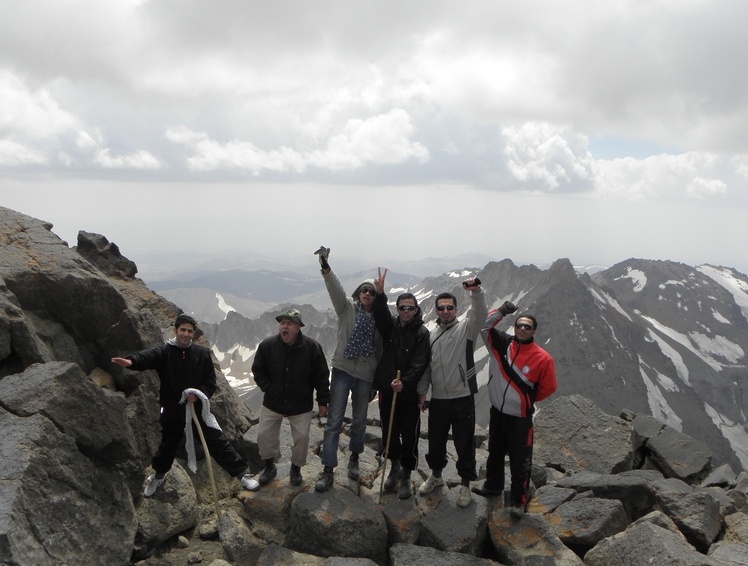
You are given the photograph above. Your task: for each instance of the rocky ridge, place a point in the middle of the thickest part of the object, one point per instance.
(78, 434)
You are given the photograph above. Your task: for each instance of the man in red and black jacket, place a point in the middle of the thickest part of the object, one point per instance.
(520, 374)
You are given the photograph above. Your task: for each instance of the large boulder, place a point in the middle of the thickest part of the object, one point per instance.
(56, 506)
(650, 540)
(337, 523)
(591, 439)
(92, 416)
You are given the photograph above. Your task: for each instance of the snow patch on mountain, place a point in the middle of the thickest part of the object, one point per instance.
(659, 406)
(680, 367)
(226, 308)
(638, 278)
(657, 403)
(602, 297)
(725, 277)
(735, 434)
(684, 341)
(719, 317)
(718, 345)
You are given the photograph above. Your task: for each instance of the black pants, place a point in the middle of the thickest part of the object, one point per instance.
(172, 432)
(459, 414)
(513, 436)
(406, 427)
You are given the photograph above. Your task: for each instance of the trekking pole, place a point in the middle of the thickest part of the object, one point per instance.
(207, 457)
(389, 435)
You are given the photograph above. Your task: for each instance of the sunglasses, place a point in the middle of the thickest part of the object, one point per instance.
(522, 326)
(369, 291)
(406, 308)
(445, 308)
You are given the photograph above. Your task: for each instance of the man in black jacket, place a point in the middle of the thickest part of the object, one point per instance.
(406, 348)
(183, 365)
(288, 368)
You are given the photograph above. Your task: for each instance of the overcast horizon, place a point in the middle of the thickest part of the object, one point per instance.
(394, 131)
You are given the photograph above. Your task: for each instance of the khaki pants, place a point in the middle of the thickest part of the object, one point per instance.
(268, 436)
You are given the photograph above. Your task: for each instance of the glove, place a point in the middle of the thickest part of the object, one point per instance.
(507, 308)
(323, 254)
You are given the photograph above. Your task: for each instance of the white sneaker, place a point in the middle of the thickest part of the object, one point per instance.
(153, 484)
(429, 485)
(464, 499)
(248, 482)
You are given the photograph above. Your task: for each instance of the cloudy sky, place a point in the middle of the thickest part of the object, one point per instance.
(535, 130)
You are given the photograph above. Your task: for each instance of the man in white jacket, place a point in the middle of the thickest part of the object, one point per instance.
(451, 375)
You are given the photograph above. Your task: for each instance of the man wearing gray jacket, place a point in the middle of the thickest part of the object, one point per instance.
(451, 376)
(358, 348)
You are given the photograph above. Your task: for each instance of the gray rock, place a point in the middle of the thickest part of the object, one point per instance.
(591, 439)
(696, 514)
(105, 255)
(722, 476)
(527, 539)
(403, 519)
(680, 456)
(171, 510)
(739, 493)
(411, 555)
(736, 528)
(548, 498)
(733, 554)
(237, 540)
(587, 521)
(275, 555)
(95, 419)
(455, 529)
(336, 523)
(644, 542)
(634, 489)
(57, 507)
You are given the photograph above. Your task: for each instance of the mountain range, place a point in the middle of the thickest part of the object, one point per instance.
(655, 337)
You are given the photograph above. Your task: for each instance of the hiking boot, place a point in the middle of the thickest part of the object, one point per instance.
(248, 482)
(295, 475)
(269, 472)
(484, 491)
(154, 482)
(396, 472)
(516, 511)
(429, 485)
(325, 480)
(353, 472)
(464, 499)
(405, 490)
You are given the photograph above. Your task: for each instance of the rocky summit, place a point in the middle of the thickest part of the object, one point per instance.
(78, 434)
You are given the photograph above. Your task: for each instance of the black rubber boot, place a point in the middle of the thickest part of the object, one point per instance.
(295, 475)
(406, 489)
(325, 480)
(269, 473)
(353, 472)
(394, 476)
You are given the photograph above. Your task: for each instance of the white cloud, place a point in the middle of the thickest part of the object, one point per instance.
(13, 153)
(138, 160)
(382, 139)
(701, 189)
(30, 114)
(549, 154)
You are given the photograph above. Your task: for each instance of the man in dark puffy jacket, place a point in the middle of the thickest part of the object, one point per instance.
(406, 348)
(288, 368)
(183, 365)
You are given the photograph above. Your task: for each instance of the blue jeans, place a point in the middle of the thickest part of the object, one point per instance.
(341, 384)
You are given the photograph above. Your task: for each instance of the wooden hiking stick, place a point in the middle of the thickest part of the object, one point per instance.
(389, 435)
(207, 457)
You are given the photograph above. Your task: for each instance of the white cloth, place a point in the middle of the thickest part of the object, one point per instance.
(208, 419)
